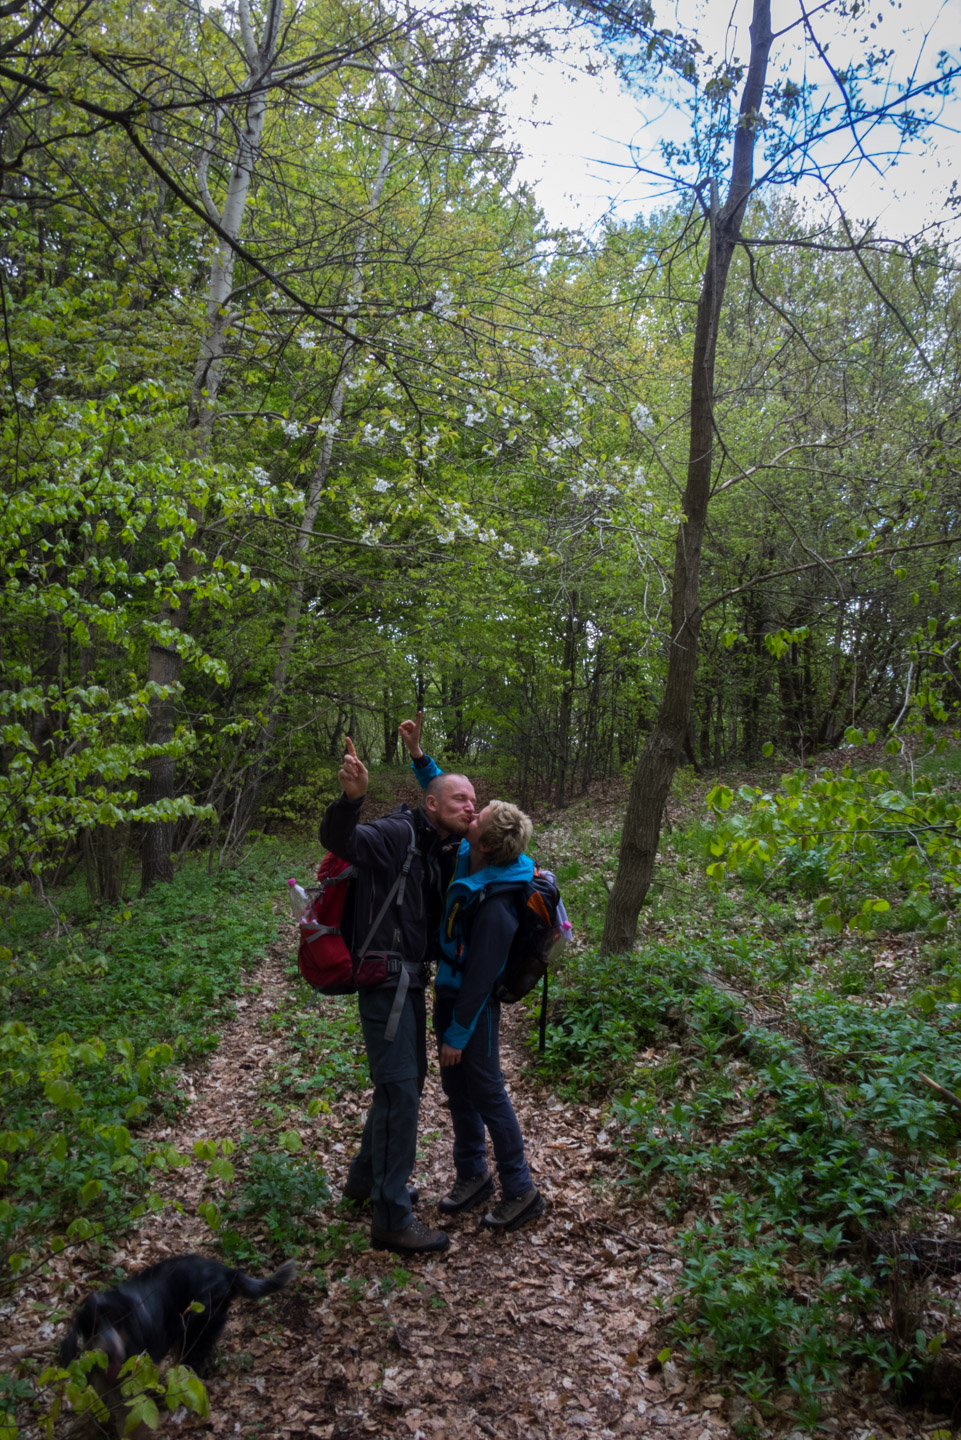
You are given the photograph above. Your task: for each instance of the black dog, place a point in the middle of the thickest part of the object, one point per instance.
(152, 1312)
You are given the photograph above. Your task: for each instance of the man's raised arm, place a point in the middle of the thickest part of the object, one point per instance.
(353, 774)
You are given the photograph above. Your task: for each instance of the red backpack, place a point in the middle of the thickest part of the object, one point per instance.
(324, 957)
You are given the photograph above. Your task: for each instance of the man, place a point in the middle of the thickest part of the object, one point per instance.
(393, 1013)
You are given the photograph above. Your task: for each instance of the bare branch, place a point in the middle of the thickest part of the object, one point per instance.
(851, 558)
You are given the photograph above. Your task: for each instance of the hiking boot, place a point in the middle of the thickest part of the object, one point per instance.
(416, 1239)
(361, 1197)
(512, 1214)
(466, 1194)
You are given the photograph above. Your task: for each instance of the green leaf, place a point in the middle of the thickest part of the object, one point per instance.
(187, 1389)
(210, 1213)
(720, 797)
(143, 1411)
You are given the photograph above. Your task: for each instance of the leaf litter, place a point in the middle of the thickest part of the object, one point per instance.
(549, 1332)
(555, 1331)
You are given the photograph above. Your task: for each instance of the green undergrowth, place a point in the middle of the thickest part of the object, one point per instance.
(105, 1008)
(324, 1055)
(280, 1202)
(872, 847)
(762, 1073)
(274, 1207)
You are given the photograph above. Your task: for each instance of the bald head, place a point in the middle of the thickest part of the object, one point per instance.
(449, 802)
(440, 783)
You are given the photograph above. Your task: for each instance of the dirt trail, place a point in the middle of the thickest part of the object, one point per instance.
(540, 1333)
(547, 1333)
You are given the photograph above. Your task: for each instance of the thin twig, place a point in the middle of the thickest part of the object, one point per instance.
(629, 1239)
(946, 1095)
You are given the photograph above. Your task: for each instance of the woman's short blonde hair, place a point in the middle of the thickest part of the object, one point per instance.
(507, 832)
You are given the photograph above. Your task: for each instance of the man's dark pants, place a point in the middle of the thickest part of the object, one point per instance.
(398, 1068)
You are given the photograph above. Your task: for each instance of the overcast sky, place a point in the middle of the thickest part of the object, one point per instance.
(581, 134)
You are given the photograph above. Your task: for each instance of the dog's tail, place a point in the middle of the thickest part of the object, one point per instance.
(253, 1289)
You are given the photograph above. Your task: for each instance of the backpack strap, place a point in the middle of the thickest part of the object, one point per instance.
(403, 985)
(455, 926)
(397, 889)
(406, 966)
(470, 908)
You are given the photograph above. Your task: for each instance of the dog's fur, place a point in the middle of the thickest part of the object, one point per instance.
(152, 1312)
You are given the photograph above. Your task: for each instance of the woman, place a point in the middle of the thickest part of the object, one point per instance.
(480, 921)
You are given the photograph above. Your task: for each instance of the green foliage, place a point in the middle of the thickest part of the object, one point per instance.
(107, 1017)
(278, 1199)
(334, 1244)
(134, 1397)
(324, 1050)
(69, 535)
(855, 843)
(783, 1141)
(297, 803)
(434, 499)
(602, 1012)
(147, 986)
(463, 489)
(789, 1167)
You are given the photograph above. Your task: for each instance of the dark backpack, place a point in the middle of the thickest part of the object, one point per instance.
(538, 931)
(326, 958)
(542, 928)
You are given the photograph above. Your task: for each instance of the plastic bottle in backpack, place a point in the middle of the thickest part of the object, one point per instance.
(564, 928)
(298, 899)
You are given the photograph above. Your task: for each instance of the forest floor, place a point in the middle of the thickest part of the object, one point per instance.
(555, 1331)
(551, 1332)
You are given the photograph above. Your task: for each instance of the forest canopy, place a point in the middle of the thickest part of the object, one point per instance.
(309, 419)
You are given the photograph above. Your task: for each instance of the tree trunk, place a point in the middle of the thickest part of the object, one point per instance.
(458, 737)
(659, 759)
(591, 728)
(567, 705)
(390, 730)
(166, 660)
(246, 803)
